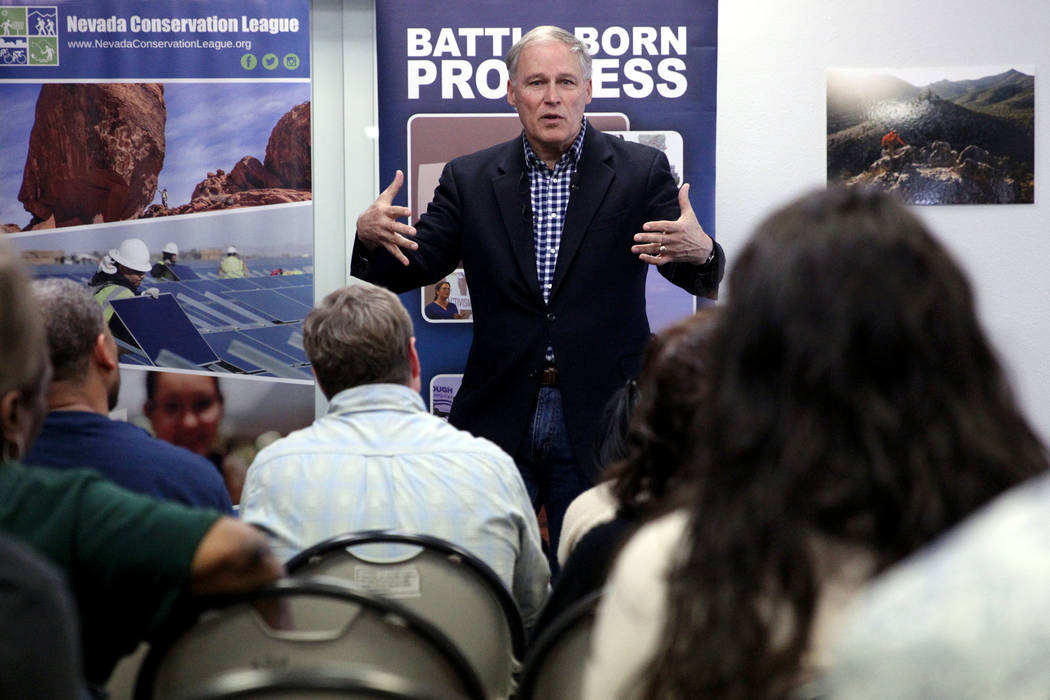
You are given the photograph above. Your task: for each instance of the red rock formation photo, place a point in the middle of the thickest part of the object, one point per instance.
(285, 176)
(288, 151)
(95, 152)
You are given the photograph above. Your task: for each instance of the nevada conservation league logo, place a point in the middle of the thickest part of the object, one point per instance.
(29, 36)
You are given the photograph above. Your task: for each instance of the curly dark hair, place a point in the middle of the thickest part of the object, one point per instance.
(855, 398)
(670, 391)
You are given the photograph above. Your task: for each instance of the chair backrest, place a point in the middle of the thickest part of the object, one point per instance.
(305, 624)
(326, 683)
(440, 581)
(554, 667)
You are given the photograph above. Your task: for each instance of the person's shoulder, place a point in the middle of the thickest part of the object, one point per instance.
(292, 445)
(994, 567)
(442, 435)
(44, 483)
(655, 544)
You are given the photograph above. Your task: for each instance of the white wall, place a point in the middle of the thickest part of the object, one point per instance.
(771, 137)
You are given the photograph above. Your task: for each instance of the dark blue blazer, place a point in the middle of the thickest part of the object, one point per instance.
(596, 320)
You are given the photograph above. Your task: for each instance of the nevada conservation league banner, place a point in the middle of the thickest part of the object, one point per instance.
(443, 93)
(171, 138)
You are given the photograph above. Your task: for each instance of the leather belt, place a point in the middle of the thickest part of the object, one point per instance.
(549, 376)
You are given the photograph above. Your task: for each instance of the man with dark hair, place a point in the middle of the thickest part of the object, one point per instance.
(378, 460)
(556, 230)
(78, 433)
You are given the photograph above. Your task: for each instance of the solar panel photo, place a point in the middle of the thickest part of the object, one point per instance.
(184, 272)
(202, 286)
(238, 284)
(278, 337)
(161, 324)
(222, 340)
(274, 306)
(303, 295)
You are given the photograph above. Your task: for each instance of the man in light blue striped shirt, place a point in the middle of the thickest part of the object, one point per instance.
(378, 460)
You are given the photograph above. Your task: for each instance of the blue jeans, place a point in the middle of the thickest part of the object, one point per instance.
(548, 466)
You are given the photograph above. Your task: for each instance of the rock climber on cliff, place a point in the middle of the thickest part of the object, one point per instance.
(890, 142)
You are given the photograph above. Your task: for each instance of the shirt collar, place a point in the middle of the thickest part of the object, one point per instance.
(376, 397)
(572, 155)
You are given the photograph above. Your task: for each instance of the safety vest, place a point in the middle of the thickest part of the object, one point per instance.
(106, 294)
(231, 266)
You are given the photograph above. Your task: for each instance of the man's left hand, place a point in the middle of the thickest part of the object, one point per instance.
(682, 240)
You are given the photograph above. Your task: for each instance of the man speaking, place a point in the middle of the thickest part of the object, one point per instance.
(556, 230)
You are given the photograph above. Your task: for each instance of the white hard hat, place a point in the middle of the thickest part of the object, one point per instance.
(133, 254)
(231, 250)
(171, 248)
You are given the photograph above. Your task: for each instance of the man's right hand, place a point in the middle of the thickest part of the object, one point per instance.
(379, 224)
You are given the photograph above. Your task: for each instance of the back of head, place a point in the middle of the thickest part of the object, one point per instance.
(854, 399)
(72, 321)
(613, 425)
(357, 335)
(854, 369)
(546, 34)
(21, 335)
(672, 387)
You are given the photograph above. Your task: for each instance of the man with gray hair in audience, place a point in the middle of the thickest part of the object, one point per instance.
(378, 460)
(78, 432)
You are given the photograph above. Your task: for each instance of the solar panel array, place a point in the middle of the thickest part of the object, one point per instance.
(249, 325)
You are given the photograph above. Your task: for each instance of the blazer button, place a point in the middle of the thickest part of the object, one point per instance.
(552, 317)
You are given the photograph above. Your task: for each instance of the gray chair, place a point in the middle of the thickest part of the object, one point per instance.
(441, 582)
(554, 667)
(305, 624)
(314, 684)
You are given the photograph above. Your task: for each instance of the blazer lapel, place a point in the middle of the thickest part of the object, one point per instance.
(511, 186)
(593, 175)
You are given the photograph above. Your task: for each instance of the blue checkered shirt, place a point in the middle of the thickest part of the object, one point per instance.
(550, 192)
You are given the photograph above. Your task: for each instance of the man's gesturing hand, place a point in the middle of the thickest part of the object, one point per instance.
(682, 240)
(379, 225)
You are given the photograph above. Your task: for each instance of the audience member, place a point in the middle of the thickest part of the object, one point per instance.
(644, 443)
(597, 504)
(85, 385)
(39, 654)
(187, 410)
(964, 619)
(648, 455)
(377, 459)
(857, 411)
(132, 562)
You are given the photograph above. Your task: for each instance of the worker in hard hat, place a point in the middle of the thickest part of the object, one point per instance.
(232, 265)
(162, 269)
(131, 260)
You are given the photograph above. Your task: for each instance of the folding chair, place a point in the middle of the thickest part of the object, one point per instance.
(302, 624)
(441, 582)
(313, 684)
(554, 666)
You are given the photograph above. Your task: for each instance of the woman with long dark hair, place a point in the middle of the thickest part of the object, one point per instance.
(646, 454)
(857, 411)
